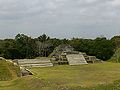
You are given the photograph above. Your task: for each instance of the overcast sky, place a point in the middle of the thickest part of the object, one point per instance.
(60, 18)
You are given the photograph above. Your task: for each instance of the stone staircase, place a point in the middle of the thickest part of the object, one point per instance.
(76, 59)
(35, 63)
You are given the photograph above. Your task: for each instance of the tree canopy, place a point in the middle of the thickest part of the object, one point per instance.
(24, 46)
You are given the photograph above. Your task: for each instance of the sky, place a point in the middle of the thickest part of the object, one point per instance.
(60, 18)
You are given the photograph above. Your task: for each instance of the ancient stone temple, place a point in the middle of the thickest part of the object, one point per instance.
(65, 54)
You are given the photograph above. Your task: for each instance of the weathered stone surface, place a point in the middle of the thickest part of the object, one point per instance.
(34, 63)
(76, 59)
(1, 58)
(61, 48)
(25, 72)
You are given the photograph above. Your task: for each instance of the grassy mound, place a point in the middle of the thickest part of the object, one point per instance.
(8, 70)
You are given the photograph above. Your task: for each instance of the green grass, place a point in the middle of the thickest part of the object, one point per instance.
(104, 76)
(83, 75)
(8, 71)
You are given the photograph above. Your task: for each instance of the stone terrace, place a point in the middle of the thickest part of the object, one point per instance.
(35, 62)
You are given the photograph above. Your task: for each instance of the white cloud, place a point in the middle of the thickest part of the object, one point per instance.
(91, 1)
(52, 16)
(115, 2)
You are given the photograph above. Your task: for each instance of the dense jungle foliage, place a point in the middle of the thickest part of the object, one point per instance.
(24, 46)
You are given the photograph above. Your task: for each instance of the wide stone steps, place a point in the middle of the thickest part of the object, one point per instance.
(37, 65)
(31, 60)
(34, 63)
(76, 59)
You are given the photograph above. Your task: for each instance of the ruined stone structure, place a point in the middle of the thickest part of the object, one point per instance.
(1, 58)
(34, 63)
(76, 59)
(65, 54)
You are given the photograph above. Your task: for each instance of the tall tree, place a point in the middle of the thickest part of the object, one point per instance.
(26, 46)
(43, 45)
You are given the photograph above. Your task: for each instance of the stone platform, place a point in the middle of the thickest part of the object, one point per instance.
(34, 63)
(76, 59)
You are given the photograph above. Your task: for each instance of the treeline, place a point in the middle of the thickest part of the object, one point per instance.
(24, 46)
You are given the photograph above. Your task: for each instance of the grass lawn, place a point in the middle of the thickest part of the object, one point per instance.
(7, 70)
(82, 77)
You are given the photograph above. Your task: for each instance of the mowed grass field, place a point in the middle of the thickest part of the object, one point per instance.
(102, 76)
